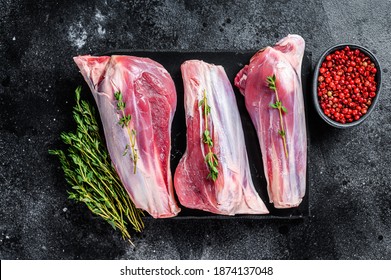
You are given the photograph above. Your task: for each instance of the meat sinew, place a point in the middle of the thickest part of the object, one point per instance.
(214, 174)
(277, 113)
(136, 98)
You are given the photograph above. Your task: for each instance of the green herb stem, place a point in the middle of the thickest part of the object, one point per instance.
(124, 121)
(271, 80)
(88, 170)
(210, 158)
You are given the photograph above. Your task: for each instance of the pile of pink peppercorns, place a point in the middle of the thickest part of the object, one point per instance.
(346, 85)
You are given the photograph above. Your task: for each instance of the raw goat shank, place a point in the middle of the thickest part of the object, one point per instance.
(285, 174)
(149, 94)
(233, 191)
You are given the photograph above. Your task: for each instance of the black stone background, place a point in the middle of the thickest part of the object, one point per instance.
(349, 169)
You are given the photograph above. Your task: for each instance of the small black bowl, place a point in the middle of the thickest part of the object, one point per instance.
(315, 85)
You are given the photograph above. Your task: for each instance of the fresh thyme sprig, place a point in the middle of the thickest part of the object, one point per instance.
(88, 170)
(271, 80)
(210, 158)
(124, 121)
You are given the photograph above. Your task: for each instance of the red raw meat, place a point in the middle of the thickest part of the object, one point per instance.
(150, 98)
(233, 191)
(286, 176)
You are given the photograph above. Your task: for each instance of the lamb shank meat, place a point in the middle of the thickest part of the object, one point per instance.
(271, 85)
(136, 98)
(214, 175)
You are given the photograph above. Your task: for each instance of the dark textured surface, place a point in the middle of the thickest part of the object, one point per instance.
(349, 170)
